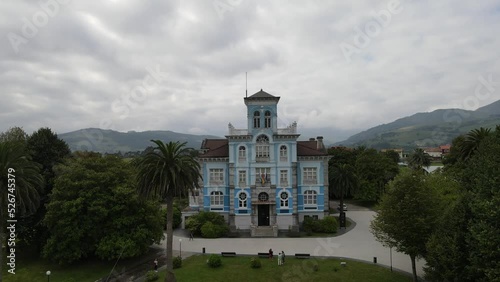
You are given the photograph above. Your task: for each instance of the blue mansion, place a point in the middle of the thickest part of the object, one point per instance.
(262, 179)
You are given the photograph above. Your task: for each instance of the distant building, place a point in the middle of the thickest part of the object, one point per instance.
(400, 152)
(261, 179)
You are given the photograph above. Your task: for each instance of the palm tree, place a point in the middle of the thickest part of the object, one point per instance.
(346, 180)
(21, 177)
(419, 159)
(471, 142)
(168, 171)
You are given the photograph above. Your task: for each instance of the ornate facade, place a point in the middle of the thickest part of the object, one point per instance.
(261, 179)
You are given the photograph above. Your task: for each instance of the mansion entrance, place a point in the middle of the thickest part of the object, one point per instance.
(263, 215)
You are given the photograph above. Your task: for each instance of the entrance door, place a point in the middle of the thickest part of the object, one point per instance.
(263, 215)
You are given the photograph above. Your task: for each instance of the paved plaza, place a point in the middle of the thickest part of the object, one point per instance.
(357, 243)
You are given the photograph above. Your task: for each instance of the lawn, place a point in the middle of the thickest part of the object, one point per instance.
(31, 268)
(238, 269)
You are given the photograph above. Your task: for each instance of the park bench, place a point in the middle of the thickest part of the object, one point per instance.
(263, 255)
(228, 254)
(302, 256)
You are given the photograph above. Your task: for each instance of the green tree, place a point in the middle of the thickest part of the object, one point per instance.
(48, 150)
(94, 210)
(406, 216)
(344, 180)
(19, 176)
(471, 142)
(14, 134)
(374, 171)
(483, 184)
(419, 159)
(339, 156)
(393, 155)
(170, 170)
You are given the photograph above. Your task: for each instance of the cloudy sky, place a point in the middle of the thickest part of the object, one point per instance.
(339, 66)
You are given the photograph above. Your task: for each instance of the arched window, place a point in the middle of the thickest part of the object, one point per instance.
(284, 199)
(242, 200)
(262, 147)
(310, 197)
(256, 119)
(216, 199)
(263, 197)
(283, 154)
(242, 153)
(267, 119)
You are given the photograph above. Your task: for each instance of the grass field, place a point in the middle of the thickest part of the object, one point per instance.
(238, 269)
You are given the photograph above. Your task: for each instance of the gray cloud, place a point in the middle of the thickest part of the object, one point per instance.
(81, 68)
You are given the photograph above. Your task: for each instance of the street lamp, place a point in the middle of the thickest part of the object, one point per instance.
(180, 247)
(48, 275)
(390, 250)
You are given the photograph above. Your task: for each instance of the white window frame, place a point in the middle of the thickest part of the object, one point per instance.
(262, 147)
(310, 198)
(216, 199)
(283, 153)
(242, 204)
(216, 176)
(242, 153)
(284, 203)
(310, 175)
(284, 178)
(242, 178)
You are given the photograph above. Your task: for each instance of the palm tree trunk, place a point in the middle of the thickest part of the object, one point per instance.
(414, 268)
(170, 277)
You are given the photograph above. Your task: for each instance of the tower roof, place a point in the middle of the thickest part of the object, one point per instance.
(262, 95)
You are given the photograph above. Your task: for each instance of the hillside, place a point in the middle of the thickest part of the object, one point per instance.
(110, 141)
(426, 129)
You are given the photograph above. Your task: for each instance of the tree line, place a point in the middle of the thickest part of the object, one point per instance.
(74, 206)
(450, 217)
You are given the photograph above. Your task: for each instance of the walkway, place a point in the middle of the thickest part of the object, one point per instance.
(358, 244)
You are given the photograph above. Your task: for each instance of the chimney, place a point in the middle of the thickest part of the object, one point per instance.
(311, 139)
(319, 143)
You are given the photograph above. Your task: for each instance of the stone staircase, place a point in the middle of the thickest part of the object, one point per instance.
(264, 231)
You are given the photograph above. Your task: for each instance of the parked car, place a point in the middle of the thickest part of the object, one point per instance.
(345, 207)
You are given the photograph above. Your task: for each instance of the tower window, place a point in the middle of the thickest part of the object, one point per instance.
(267, 119)
(256, 119)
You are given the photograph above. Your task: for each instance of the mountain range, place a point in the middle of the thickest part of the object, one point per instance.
(428, 129)
(110, 141)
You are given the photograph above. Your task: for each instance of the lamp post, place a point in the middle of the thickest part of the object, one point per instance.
(390, 253)
(48, 275)
(180, 247)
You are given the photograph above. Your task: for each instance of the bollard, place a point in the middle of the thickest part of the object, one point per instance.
(203, 251)
(374, 259)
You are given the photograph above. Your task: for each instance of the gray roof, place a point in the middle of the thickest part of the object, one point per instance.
(262, 95)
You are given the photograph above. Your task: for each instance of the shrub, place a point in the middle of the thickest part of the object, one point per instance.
(255, 263)
(325, 225)
(210, 230)
(218, 228)
(214, 261)
(315, 267)
(151, 276)
(177, 262)
(328, 224)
